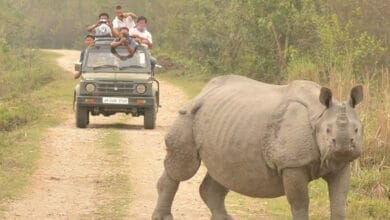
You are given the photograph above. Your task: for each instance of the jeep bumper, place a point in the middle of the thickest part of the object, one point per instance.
(115, 102)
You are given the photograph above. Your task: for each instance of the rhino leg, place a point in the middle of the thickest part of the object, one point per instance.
(338, 184)
(167, 188)
(295, 183)
(213, 194)
(181, 163)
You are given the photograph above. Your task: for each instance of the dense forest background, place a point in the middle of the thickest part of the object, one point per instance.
(259, 38)
(336, 43)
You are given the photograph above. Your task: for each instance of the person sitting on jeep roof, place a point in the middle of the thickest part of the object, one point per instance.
(88, 41)
(126, 40)
(143, 36)
(103, 27)
(123, 19)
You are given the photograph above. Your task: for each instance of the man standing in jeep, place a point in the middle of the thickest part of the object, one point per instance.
(123, 19)
(88, 41)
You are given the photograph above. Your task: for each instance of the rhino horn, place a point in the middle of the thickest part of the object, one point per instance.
(342, 118)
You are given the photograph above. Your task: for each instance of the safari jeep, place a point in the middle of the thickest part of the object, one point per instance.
(113, 82)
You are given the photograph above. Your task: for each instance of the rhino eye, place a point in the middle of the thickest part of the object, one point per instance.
(356, 130)
(328, 130)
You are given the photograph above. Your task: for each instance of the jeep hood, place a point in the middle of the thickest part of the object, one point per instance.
(116, 76)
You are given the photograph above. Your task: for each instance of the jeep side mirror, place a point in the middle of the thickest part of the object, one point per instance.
(157, 66)
(78, 66)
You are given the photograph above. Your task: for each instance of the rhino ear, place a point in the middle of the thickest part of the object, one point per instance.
(326, 96)
(356, 95)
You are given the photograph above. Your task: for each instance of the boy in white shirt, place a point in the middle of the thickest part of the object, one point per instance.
(142, 36)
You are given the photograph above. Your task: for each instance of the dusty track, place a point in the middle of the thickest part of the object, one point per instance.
(72, 164)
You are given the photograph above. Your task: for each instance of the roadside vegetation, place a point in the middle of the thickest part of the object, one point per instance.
(27, 109)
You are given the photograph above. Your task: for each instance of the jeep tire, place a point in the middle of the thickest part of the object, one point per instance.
(82, 116)
(150, 118)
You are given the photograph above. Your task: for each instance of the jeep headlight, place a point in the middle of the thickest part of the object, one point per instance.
(90, 87)
(140, 88)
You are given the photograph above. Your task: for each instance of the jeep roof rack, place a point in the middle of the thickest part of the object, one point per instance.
(104, 40)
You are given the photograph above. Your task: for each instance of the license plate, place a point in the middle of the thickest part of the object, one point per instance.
(115, 100)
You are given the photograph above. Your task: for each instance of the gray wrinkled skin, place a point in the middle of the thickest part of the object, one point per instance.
(262, 140)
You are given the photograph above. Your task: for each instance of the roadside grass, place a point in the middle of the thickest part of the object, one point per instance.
(23, 120)
(368, 198)
(190, 85)
(114, 188)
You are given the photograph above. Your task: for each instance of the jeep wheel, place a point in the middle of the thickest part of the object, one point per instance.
(82, 117)
(150, 118)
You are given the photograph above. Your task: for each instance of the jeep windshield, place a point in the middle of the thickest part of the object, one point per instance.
(103, 59)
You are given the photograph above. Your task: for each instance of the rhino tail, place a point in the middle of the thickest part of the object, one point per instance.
(192, 108)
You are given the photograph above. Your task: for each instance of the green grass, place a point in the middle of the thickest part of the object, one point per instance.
(23, 121)
(115, 188)
(115, 197)
(190, 85)
(360, 204)
(19, 152)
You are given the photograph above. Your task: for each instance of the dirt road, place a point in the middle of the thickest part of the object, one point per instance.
(73, 165)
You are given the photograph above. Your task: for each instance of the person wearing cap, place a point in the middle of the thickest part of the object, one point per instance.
(125, 39)
(103, 27)
(123, 19)
(88, 41)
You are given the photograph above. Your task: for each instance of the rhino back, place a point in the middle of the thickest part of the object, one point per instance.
(232, 131)
(228, 130)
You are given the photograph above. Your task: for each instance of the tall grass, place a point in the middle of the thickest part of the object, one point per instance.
(21, 72)
(375, 113)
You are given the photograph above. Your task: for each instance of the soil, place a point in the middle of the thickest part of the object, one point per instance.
(72, 164)
(169, 64)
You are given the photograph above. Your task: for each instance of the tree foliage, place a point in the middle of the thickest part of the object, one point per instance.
(258, 38)
(262, 38)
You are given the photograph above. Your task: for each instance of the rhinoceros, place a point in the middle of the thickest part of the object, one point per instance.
(264, 141)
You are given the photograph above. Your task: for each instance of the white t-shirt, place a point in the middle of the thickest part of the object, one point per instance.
(145, 34)
(127, 22)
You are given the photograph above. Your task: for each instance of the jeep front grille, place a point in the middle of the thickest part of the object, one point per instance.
(115, 88)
